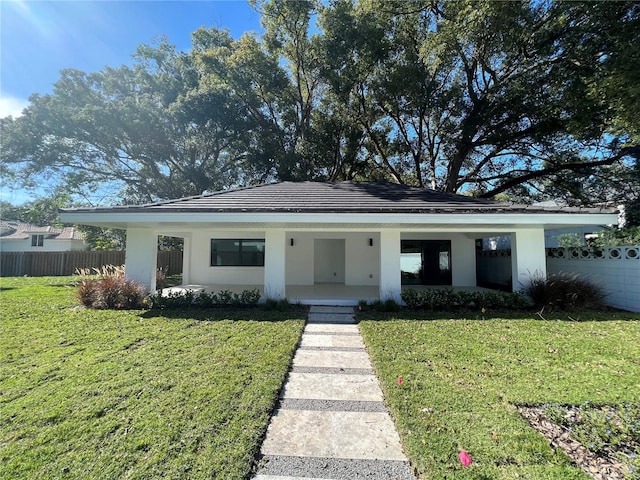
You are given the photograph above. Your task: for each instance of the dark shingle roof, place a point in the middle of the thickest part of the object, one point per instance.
(339, 197)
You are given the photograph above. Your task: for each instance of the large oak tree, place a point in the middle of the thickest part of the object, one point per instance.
(530, 100)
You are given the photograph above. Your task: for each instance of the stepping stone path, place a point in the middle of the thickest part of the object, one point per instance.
(331, 421)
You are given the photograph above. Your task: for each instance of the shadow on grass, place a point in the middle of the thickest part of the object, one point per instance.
(577, 316)
(256, 314)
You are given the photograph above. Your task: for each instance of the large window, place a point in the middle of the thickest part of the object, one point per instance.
(425, 262)
(37, 240)
(227, 252)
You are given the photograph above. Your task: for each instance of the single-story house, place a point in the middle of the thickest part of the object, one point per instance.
(323, 242)
(25, 237)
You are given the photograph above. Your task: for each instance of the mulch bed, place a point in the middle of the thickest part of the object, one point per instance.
(598, 467)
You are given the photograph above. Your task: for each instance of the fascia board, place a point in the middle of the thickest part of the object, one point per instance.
(387, 219)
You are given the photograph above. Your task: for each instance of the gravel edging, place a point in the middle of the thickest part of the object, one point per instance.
(331, 405)
(333, 349)
(335, 468)
(334, 370)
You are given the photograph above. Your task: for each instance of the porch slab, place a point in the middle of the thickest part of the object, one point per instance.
(328, 359)
(304, 433)
(331, 294)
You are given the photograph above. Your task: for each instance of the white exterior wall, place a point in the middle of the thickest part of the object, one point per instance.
(528, 256)
(463, 255)
(362, 260)
(617, 270)
(187, 253)
(274, 264)
(390, 283)
(141, 256)
(202, 273)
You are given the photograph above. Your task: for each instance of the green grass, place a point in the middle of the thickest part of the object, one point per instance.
(117, 394)
(462, 380)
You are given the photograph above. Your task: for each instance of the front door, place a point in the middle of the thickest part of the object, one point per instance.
(426, 262)
(329, 260)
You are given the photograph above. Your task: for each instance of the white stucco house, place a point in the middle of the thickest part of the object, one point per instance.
(25, 237)
(326, 242)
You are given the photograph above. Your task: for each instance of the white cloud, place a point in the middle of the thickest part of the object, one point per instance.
(12, 106)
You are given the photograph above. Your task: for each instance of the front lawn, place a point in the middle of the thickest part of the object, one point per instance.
(462, 380)
(132, 394)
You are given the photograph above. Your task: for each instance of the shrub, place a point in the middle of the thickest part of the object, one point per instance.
(189, 298)
(250, 297)
(87, 292)
(161, 277)
(566, 292)
(104, 271)
(448, 299)
(281, 305)
(111, 292)
(617, 237)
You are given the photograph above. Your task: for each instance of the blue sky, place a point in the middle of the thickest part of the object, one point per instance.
(39, 38)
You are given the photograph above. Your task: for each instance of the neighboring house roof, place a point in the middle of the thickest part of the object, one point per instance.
(23, 231)
(340, 197)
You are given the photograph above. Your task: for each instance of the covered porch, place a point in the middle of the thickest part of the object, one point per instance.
(331, 267)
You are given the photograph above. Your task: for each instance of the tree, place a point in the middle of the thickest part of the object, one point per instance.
(42, 211)
(487, 97)
(532, 100)
(146, 130)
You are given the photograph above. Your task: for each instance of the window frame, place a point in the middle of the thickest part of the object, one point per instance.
(239, 252)
(37, 240)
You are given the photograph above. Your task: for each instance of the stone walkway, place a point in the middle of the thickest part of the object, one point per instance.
(331, 421)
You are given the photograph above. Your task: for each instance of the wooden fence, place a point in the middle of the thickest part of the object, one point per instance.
(40, 264)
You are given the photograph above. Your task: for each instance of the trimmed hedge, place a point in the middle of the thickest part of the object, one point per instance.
(223, 298)
(448, 299)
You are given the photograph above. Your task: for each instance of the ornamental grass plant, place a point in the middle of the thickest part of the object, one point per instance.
(566, 292)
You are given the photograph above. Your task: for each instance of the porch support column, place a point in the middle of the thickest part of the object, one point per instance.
(141, 256)
(186, 259)
(390, 265)
(274, 264)
(528, 256)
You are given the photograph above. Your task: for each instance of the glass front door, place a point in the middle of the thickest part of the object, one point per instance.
(425, 262)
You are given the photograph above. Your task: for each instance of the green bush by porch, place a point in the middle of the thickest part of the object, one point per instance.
(445, 299)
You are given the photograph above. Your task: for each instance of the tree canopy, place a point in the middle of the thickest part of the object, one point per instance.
(532, 100)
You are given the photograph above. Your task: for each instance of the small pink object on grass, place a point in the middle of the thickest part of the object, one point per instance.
(465, 458)
(399, 380)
